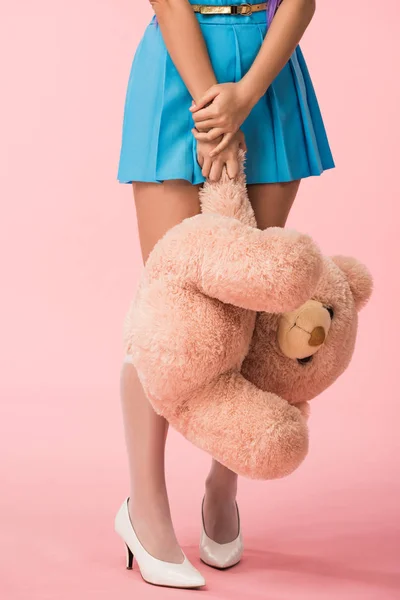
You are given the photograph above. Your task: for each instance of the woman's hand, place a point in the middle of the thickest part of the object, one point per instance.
(212, 167)
(220, 112)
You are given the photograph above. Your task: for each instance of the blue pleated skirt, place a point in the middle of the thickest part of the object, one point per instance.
(285, 134)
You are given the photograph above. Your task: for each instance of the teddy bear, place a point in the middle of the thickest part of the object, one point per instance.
(233, 329)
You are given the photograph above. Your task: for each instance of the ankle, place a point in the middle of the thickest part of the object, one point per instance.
(221, 487)
(148, 503)
(153, 527)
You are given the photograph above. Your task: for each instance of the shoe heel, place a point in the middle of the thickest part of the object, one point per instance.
(153, 570)
(129, 557)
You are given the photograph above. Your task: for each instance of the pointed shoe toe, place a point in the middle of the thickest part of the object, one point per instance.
(220, 556)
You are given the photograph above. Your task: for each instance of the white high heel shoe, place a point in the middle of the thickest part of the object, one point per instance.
(220, 556)
(157, 572)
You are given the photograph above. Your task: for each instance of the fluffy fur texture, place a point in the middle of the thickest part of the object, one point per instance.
(345, 292)
(192, 324)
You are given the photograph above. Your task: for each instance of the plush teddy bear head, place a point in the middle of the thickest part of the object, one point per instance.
(299, 354)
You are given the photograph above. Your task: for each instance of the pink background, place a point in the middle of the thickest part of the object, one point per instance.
(69, 264)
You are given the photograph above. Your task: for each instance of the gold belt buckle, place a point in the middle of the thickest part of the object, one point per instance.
(246, 5)
(248, 9)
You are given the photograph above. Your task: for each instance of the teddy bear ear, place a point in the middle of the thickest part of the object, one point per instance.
(359, 278)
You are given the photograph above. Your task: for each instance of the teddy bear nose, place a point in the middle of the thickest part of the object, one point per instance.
(302, 332)
(317, 336)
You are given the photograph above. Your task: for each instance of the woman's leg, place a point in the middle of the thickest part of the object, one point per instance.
(271, 204)
(158, 208)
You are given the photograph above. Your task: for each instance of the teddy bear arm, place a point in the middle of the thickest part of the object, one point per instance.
(254, 433)
(304, 408)
(269, 271)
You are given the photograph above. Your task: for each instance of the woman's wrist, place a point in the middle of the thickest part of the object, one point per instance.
(251, 90)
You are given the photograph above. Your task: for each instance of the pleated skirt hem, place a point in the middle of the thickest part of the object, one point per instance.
(201, 179)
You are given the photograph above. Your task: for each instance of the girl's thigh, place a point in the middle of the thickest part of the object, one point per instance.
(160, 206)
(272, 202)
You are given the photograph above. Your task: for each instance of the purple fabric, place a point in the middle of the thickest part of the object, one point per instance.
(272, 6)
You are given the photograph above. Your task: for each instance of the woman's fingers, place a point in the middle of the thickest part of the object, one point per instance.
(205, 171)
(206, 98)
(205, 113)
(209, 136)
(206, 125)
(242, 142)
(224, 143)
(216, 170)
(212, 160)
(232, 167)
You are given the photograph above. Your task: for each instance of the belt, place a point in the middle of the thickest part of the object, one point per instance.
(236, 9)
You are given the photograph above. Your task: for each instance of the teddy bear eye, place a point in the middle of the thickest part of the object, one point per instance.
(330, 311)
(305, 361)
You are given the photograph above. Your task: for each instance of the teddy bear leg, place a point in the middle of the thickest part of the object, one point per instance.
(254, 433)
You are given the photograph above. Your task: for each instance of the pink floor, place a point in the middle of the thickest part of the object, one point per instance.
(330, 531)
